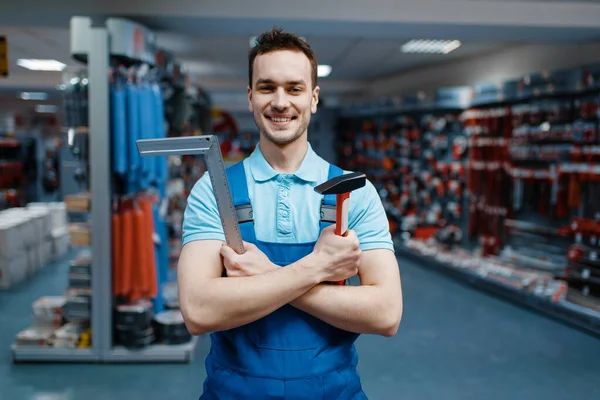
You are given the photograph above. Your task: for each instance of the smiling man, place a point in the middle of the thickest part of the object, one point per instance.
(279, 329)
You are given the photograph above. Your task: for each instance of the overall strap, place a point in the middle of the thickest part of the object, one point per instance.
(236, 176)
(328, 203)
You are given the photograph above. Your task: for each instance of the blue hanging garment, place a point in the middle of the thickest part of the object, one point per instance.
(146, 116)
(119, 127)
(161, 163)
(159, 257)
(133, 127)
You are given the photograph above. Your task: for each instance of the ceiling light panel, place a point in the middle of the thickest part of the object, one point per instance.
(323, 71)
(33, 96)
(424, 46)
(41, 65)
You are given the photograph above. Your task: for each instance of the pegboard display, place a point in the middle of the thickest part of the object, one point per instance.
(505, 187)
(417, 162)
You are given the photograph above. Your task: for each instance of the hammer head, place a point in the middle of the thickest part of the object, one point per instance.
(342, 184)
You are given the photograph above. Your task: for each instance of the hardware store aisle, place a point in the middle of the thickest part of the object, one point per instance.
(454, 343)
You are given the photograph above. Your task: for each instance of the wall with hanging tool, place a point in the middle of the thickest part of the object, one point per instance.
(502, 188)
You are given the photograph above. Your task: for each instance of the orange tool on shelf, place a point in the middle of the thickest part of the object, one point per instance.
(150, 284)
(139, 277)
(128, 249)
(117, 250)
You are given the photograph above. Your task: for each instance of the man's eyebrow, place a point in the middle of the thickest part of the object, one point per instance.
(270, 81)
(259, 81)
(297, 83)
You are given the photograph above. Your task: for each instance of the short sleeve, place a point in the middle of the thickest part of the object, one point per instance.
(201, 217)
(368, 219)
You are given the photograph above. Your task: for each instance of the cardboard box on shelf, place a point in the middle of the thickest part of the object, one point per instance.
(80, 202)
(57, 211)
(81, 234)
(61, 240)
(13, 270)
(11, 237)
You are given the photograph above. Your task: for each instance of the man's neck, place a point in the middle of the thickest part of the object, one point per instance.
(284, 159)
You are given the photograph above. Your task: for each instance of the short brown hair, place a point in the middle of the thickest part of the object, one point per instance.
(276, 39)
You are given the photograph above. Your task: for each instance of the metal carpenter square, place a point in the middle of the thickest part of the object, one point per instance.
(208, 146)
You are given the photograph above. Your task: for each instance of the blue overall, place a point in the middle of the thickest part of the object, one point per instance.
(287, 354)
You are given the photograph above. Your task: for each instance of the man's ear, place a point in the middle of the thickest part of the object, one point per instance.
(315, 100)
(250, 108)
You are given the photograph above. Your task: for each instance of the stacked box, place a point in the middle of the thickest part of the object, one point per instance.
(68, 335)
(34, 337)
(14, 259)
(79, 292)
(31, 237)
(56, 237)
(48, 312)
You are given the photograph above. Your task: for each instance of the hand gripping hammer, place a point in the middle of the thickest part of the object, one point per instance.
(341, 186)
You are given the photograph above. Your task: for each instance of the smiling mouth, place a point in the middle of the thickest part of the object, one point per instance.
(280, 120)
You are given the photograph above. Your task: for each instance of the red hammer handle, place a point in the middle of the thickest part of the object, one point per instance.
(341, 217)
(341, 214)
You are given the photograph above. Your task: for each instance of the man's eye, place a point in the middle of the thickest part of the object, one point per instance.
(296, 89)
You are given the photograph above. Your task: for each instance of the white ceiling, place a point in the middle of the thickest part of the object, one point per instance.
(359, 39)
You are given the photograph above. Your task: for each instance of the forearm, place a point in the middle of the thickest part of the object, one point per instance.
(360, 309)
(226, 303)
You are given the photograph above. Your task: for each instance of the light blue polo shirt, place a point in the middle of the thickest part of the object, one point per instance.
(286, 208)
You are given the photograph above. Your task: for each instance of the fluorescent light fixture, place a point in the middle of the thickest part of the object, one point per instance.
(430, 46)
(45, 109)
(41, 65)
(33, 96)
(323, 71)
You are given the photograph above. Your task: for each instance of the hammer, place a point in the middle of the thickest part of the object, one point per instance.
(341, 186)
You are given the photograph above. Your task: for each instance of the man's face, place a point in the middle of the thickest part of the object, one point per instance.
(282, 98)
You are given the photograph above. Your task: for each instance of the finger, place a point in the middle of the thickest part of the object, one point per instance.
(231, 266)
(248, 245)
(227, 251)
(351, 234)
(233, 273)
(329, 230)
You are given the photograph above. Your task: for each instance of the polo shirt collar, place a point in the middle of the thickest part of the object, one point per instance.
(262, 171)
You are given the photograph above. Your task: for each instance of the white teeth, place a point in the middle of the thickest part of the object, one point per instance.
(274, 119)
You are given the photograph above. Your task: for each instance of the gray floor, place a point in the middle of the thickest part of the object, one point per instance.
(454, 343)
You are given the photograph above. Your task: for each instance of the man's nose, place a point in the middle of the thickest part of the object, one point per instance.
(280, 100)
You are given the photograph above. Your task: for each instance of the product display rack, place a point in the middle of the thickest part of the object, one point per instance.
(415, 155)
(573, 314)
(96, 45)
(531, 223)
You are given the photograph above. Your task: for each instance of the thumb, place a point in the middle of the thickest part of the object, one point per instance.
(331, 228)
(226, 251)
(248, 245)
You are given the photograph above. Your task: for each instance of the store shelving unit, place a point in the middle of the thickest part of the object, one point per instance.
(95, 44)
(532, 173)
(573, 314)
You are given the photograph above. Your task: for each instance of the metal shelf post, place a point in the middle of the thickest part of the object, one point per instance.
(99, 117)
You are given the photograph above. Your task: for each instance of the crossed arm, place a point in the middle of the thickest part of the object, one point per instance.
(210, 302)
(373, 307)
